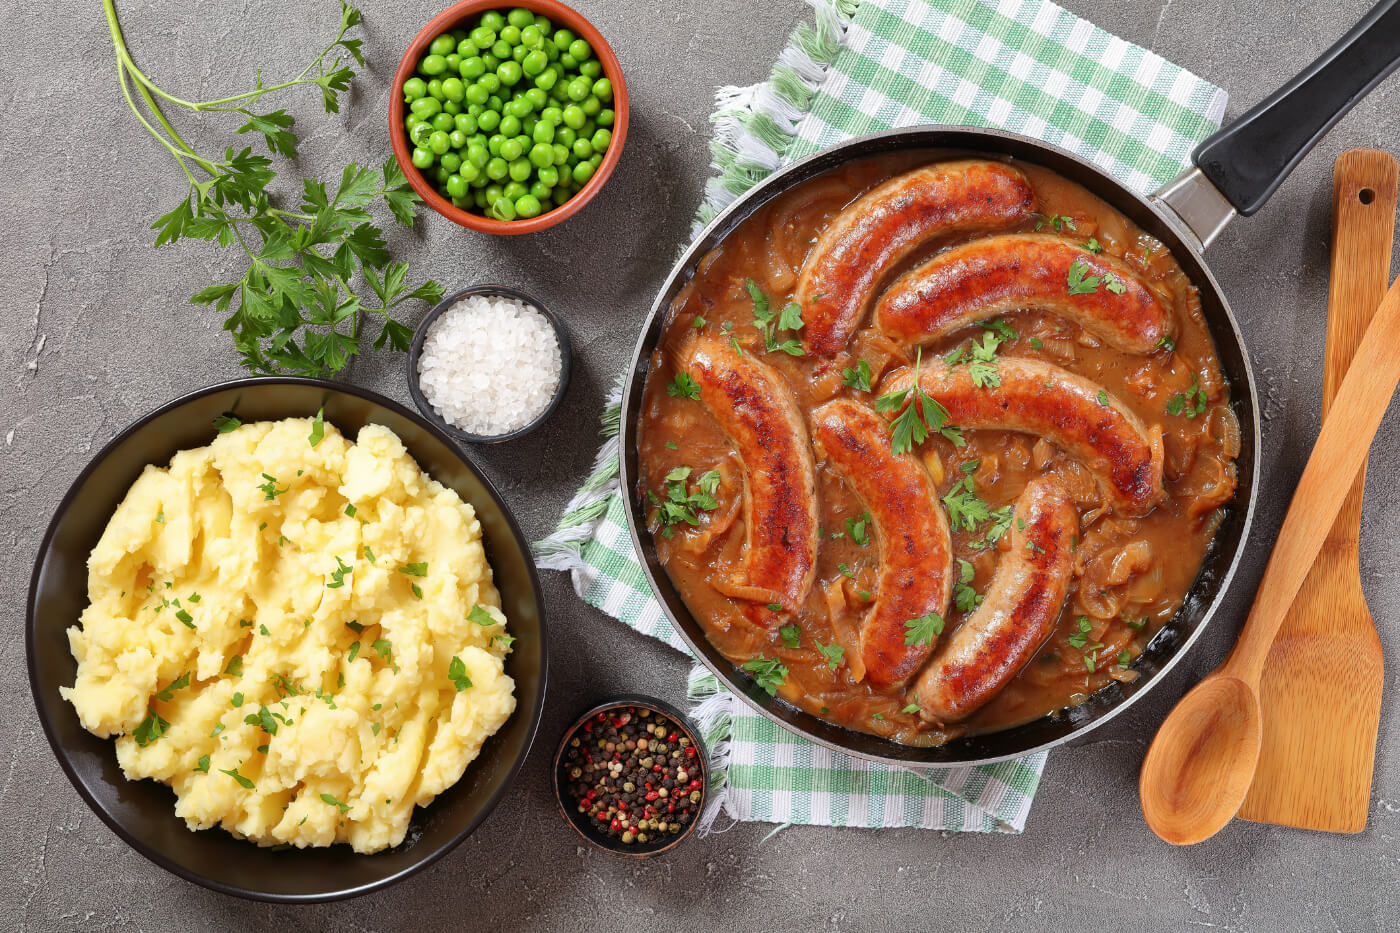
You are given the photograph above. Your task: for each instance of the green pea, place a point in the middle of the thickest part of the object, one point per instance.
(476, 93)
(422, 158)
(488, 121)
(582, 148)
(553, 114)
(514, 190)
(559, 196)
(465, 123)
(602, 138)
(511, 34)
(472, 68)
(528, 206)
(583, 171)
(521, 169)
(551, 50)
(542, 155)
(565, 135)
(469, 172)
(451, 108)
(518, 53)
(493, 145)
(445, 122)
(442, 44)
(580, 49)
(420, 133)
(560, 93)
(440, 174)
(534, 63)
(574, 116)
(542, 23)
(520, 17)
(475, 109)
(531, 37)
(496, 103)
(544, 133)
(456, 185)
(591, 68)
(425, 108)
(502, 209)
(493, 192)
(492, 19)
(413, 89)
(509, 73)
(490, 61)
(592, 106)
(491, 81)
(439, 142)
(432, 65)
(466, 48)
(458, 34)
(477, 154)
(568, 62)
(451, 161)
(453, 89)
(483, 36)
(435, 89)
(501, 50)
(457, 139)
(519, 108)
(579, 88)
(510, 150)
(540, 190)
(548, 175)
(562, 39)
(527, 126)
(497, 169)
(454, 62)
(561, 154)
(410, 121)
(602, 89)
(546, 79)
(510, 125)
(606, 117)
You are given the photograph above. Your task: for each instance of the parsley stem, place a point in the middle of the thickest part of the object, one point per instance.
(177, 153)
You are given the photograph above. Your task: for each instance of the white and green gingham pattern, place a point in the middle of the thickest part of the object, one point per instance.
(1027, 66)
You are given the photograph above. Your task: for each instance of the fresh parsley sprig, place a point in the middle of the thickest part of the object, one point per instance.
(683, 505)
(296, 307)
(1190, 403)
(768, 673)
(920, 417)
(789, 319)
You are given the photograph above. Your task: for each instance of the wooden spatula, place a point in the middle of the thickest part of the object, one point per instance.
(1320, 692)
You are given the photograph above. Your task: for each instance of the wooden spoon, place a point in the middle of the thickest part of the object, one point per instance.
(1202, 761)
(1315, 771)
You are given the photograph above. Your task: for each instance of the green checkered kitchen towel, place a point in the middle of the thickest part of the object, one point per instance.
(865, 65)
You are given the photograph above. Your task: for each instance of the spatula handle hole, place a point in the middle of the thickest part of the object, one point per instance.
(1365, 195)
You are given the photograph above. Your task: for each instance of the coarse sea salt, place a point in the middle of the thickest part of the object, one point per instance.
(490, 364)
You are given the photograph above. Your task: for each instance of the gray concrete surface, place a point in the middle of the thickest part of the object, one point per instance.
(95, 330)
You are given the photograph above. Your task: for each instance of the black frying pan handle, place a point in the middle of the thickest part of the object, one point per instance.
(1251, 157)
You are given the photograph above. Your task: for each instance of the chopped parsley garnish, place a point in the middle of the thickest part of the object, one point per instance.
(1079, 282)
(269, 488)
(859, 530)
(982, 365)
(878, 716)
(683, 505)
(1113, 283)
(457, 673)
(369, 555)
(186, 618)
(671, 445)
(355, 627)
(727, 328)
(865, 595)
(857, 377)
(375, 727)
(1125, 660)
(1103, 397)
(338, 575)
(262, 630)
(203, 766)
(318, 428)
(1094, 246)
(150, 728)
(350, 509)
(1080, 637)
(1167, 343)
(698, 323)
(966, 510)
(481, 617)
(682, 386)
(1037, 344)
(923, 630)
(791, 635)
(235, 666)
(833, 655)
(921, 417)
(999, 327)
(846, 572)
(227, 422)
(243, 782)
(506, 640)
(160, 517)
(1091, 657)
(264, 717)
(384, 648)
(217, 729)
(775, 607)
(768, 673)
(343, 807)
(1139, 623)
(964, 596)
(789, 319)
(354, 651)
(419, 569)
(237, 700)
(1054, 222)
(1190, 403)
(911, 708)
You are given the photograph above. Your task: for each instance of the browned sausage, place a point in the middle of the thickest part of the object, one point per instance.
(994, 275)
(1018, 613)
(1068, 410)
(884, 225)
(757, 411)
(915, 551)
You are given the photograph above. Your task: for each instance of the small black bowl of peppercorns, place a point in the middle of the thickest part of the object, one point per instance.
(632, 776)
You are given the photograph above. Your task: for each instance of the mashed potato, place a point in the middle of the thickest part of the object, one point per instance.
(302, 640)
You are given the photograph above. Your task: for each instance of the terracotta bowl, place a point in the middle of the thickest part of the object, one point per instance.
(459, 14)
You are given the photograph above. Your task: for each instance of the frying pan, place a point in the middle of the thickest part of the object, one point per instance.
(1233, 172)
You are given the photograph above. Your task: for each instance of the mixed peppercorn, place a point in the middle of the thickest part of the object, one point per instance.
(635, 773)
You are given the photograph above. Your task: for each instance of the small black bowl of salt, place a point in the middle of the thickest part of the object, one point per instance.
(488, 364)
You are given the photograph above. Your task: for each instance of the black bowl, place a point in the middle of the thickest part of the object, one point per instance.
(585, 827)
(143, 812)
(415, 350)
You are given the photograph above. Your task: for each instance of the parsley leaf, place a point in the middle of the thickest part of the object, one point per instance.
(203, 766)
(857, 378)
(683, 386)
(791, 635)
(1078, 281)
(419, 569)
(178, 683)
(318, 428)
(338, 575)
(833, 655)
(150, 728)
(1081, 636)
(982, 366)
(1094, 246)
(1054, 222)
(1167, 343)
(911, 708)
(226, 423)
(790, 318)
(964, 596)
(481, 617)
(457, 673)
(768, 673)
(1113, 283)
(966, 510)
(858, 530)
(923, 630)
(269, 488)
(243, 782)
(342, 807)
(1190, 403)
(921, 416)
(681, 505)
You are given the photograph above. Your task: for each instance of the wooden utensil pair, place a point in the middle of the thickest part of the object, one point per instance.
(1285, 730)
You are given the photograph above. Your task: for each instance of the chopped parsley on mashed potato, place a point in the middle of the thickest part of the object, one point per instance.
(297, 633)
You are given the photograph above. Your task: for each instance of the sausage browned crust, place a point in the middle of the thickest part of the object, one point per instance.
(915, 551)
(758, 412)
(884, 225)
(1017, 614)
(997, 274)
(1075, 414)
